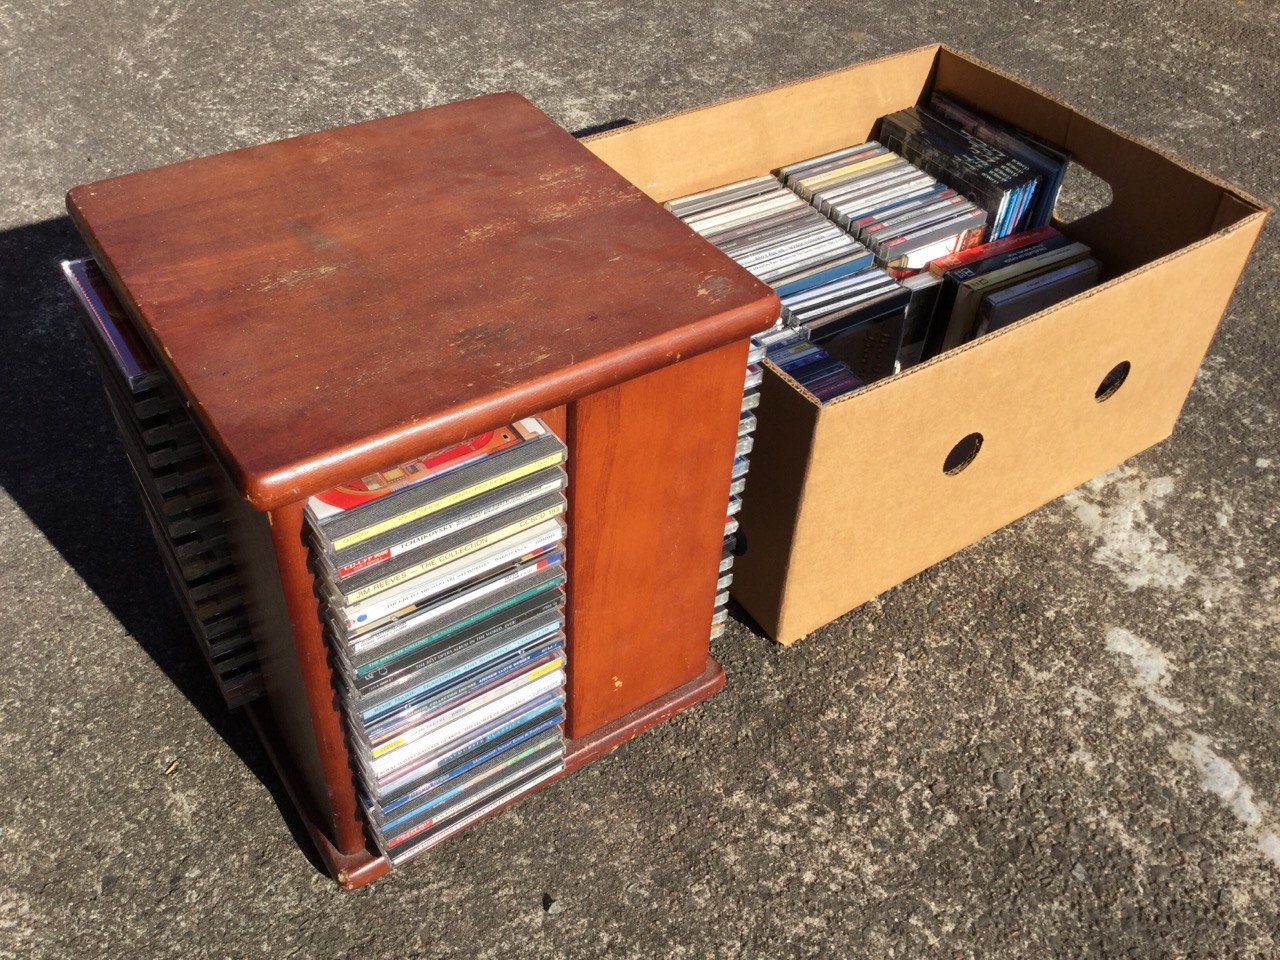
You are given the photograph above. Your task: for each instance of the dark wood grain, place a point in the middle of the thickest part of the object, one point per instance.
(649, 465)
(319, 702)
(342, 301)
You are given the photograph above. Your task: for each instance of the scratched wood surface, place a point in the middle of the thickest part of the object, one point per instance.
(342, 301)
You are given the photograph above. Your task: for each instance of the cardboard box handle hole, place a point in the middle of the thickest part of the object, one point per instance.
(1083, 194)
(962, 454)
(1113, 381)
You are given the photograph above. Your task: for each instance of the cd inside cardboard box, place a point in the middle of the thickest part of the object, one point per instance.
(853, 497)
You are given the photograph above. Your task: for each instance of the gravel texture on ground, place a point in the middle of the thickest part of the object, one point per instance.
(1061, 742)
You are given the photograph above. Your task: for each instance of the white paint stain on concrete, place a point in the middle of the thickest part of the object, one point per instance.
(1150, 667)
(1270, 845)
(1084, 696)
(1117, 508)
(1151, 670)
(1219, 776)
(1085, 759)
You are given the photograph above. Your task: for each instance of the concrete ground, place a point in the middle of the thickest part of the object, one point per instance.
(1062, 742)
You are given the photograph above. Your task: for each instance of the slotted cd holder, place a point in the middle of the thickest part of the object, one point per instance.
(334, 304)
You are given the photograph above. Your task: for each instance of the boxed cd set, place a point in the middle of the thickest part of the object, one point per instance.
(1026, 366)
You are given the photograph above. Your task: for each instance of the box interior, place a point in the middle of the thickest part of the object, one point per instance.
(753, 134)
(848, 499)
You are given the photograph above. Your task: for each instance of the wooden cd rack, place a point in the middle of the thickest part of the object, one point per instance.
(327, 306)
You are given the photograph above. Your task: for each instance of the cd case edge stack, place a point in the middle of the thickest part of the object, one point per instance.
(442, 589)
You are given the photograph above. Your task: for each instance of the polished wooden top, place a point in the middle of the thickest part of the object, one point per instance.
(342, 301)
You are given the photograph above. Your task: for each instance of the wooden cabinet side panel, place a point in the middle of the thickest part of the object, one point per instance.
(282, 608)
(649, 465)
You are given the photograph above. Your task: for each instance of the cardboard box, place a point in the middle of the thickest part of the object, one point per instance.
(846, 500)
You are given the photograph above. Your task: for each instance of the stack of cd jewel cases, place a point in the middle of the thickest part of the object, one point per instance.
(826, 280)
(443, 589)
(812, 367)
(773, 233)
(1003, 185)
(179, 483)
(738, 483)
(905, 217)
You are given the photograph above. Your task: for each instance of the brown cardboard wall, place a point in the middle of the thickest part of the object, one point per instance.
(846, 500)
(787, 436)
(748, 135)
(877, 507)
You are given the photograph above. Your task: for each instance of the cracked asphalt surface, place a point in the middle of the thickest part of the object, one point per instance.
(1064, 741)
